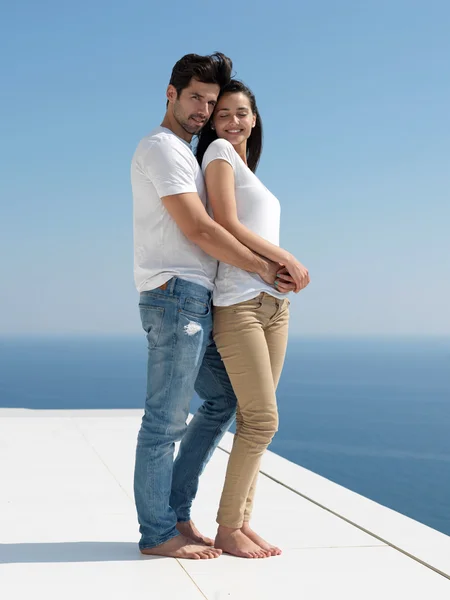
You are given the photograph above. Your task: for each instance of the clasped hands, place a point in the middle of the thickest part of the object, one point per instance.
(291, 278)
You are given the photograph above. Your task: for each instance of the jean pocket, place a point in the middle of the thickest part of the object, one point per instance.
(195, 308)
(152, 319)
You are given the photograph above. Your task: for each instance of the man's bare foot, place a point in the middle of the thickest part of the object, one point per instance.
(188, 529)
(233, 541)
(252, 535)
(182, 547)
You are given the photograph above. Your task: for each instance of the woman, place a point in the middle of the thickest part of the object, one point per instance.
(250, 317)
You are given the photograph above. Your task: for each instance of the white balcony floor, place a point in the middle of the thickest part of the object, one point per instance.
(68, 527)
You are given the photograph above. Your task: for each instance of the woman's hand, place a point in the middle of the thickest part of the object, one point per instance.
(293, 276)
(284, 282)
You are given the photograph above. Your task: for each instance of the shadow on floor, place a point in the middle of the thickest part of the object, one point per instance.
(71, 552)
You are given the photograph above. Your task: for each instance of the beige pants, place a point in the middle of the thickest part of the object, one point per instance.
(251, 338)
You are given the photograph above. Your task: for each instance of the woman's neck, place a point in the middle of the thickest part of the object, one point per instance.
(241, 149)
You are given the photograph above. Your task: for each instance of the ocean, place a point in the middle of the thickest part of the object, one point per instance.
(370, 414)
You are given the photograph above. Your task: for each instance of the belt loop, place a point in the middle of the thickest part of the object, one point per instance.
(171, 284)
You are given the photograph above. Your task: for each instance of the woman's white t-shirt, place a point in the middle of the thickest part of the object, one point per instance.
(257, 209)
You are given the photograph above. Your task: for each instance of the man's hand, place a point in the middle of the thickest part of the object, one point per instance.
(269, 270)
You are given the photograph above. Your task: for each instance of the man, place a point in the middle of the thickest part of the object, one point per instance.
(177, 246)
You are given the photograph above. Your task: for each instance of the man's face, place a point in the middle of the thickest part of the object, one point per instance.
(195, 105)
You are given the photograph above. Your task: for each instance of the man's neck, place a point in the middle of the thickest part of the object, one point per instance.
(169, 122)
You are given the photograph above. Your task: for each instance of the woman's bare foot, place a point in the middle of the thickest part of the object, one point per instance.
(182, 547)
(248, 531)
(188, 529)
(233, 541)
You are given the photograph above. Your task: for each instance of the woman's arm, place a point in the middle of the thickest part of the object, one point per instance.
(219, 177)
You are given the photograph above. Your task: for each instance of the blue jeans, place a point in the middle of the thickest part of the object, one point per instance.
(182, 357)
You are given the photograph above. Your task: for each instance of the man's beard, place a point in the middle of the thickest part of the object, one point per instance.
(191, 128)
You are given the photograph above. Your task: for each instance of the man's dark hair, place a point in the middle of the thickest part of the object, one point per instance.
(215, 68)
(254, 142)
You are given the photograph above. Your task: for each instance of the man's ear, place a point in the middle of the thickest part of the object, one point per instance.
(171, 93)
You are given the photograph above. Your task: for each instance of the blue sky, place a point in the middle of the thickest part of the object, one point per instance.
(354, 98)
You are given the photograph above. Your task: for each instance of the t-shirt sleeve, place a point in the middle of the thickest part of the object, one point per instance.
(169, 169)
(219, 150)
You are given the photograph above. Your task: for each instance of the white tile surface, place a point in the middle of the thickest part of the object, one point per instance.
(114, 440)
(284, 518)
(68, 526)
(425, 543)
(47, 464)
(321, 574)
(110, 579)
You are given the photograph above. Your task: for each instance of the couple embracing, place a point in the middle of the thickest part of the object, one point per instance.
(213, 284)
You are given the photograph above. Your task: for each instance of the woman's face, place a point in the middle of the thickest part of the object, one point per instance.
(233, 118)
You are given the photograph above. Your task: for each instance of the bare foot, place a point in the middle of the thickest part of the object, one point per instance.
(182, 547)
(188, 529)
(252, 535)
(233, 541)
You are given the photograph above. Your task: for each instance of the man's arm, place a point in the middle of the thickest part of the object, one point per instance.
(170, 171)
(191, 217)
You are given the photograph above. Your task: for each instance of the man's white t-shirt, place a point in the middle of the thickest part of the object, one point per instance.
(257, 209)
(164, 165)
